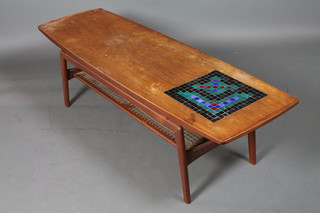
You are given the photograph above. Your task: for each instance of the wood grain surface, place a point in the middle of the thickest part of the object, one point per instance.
(145, 63)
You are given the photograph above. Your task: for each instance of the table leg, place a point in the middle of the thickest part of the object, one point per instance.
(252, 147)
(183, 166)
(64, 72)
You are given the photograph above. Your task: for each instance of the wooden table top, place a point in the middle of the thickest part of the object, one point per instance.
(146, 64)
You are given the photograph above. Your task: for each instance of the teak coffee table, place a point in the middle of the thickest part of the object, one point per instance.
(192, 100)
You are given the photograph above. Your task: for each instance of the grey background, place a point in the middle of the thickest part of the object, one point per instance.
(92, 157)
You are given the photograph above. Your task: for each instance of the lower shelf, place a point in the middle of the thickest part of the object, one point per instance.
(191, 139)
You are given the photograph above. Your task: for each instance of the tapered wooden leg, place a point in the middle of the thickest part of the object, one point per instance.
(183, 167)
(64, 72)
(252, 147)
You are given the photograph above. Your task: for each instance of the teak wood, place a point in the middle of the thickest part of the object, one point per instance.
(140, 64)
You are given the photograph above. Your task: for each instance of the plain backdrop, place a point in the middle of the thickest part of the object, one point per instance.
(92, 157)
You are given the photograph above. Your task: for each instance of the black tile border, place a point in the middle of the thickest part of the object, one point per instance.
(243, 88)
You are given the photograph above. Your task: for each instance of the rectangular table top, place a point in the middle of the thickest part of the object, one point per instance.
(193, 89)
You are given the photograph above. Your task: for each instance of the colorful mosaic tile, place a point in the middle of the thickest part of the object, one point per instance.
(215, 95)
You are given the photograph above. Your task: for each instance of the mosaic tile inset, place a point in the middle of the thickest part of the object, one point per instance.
(215, 95)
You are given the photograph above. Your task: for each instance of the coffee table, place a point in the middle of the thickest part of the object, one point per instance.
(191, 99)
